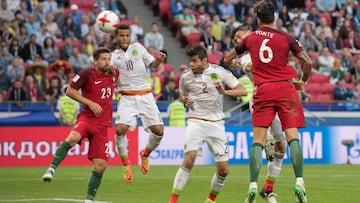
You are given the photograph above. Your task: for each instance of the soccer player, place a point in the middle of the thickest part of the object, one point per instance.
(276, 92)
(275, 138)
(132, 60)
(97, 86)
(202, 90)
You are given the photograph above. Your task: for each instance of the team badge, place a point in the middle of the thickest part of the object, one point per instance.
(135, 52)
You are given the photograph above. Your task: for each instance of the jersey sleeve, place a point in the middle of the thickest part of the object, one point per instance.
(147, 57)
(80, 79)
(182, 88)
(295, 45)
(229, 79)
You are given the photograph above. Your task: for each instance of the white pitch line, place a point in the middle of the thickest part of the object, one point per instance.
(49, 199)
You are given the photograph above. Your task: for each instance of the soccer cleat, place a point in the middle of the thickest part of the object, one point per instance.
(48, 175)
(208, 200)
(270, 197)
(127, 173)
(300, 194)
(144, 163)
(251, 195)
(269, 147)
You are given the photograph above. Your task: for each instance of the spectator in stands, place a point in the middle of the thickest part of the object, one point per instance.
(325, 61)
(22, 36)
(284, 16)
(218, 28)
(346, 58)
(352, 42)
(155, 83)
(4, 82)
(16, 70)
(241, 10)
(5, 13)
(50, 51)
(5, 57)
(207, 40)
(51, 25)
(337, 71)
(323, 27)
(68, 108)
(108, 41)
(211, 8)
(75, 15)
(44, 33)
(341, 92)
(230, 25)
(88, 45)
(70, 29)
(345, 29)
(38, 73)
(187, 21)
(153, 38)
(60, 16)
(226, 10)
(280, 25)
(326, 5)
(338, 43)
(169, 92)
(50, 6)
(78, 60)
(137, 30)
(93, 13)
(326, 42)
(5, 35)
(30, 50)
(84, 27)
(309, 41)
(31, 25)
(355, 71)
(14, 47)
(23, 9)
(33, 90)
(177, 8)
(53, 93)
(39, 13)
(202, 17)
(314, 16)
(176, 112)
(66, 49)
(18, 94)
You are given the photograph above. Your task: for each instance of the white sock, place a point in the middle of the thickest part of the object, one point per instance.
(217, 182)
(253, 185)
(181, 178)
(154, 141)
(274, 167)
(122, 144)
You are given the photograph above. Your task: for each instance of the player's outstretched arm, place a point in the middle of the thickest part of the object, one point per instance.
(159, 59)
(230, 56)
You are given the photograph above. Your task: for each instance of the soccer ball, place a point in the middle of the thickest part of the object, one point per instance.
(107, 21)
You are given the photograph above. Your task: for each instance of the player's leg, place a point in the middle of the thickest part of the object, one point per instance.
(95, 178)
(274, 166)
(291, 115)
(153, 123)
(125, 119)
(73, 138)
(194, 140)
(217, 142)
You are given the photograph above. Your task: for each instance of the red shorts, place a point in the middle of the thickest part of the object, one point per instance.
(97, 136)
(280, 97)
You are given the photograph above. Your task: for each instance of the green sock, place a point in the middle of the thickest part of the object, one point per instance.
(60, 154)
(255, 161)
(93, 185)
(296, 157)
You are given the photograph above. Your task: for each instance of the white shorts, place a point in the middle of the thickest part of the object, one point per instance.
(199, 132)
(144, 106)
(275, 129)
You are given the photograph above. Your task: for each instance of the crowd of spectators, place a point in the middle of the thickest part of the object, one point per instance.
(43, 43)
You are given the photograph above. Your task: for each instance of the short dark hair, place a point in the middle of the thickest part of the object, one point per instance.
(239, 28)
(122, 27)
(197, 50)
(265, 11)
(99, 51)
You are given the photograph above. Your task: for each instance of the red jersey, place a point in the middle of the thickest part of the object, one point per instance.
(269, 49)
(98, 88)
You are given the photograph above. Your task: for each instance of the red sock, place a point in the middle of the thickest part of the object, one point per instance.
(174, 198)
(212, 196)
(268, 186)
(125, 161)
(146, 152)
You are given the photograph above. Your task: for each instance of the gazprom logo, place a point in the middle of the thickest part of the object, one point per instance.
(167, 154)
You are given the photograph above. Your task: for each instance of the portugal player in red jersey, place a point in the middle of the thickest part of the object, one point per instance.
(276, 92)
(97, 86)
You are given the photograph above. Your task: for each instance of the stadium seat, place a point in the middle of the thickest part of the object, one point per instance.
(328, 88)
(319, 78)
(313, 88)
(168, 67)
(350, 86)
(325, 98)
(193, 38)
(214, 58)
(126, 22)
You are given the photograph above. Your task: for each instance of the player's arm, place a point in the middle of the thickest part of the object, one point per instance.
(159, 59)
(233, 53)
(239, 90)
(306, 67)
(186, 100)
(75, 94)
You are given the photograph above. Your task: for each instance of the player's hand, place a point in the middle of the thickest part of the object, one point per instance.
(188, 103)
(95, 108)
(235, 64)
(298, 84)
(220, 88)
(248, 67)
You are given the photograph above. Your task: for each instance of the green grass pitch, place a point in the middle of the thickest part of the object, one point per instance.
(324, 184)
